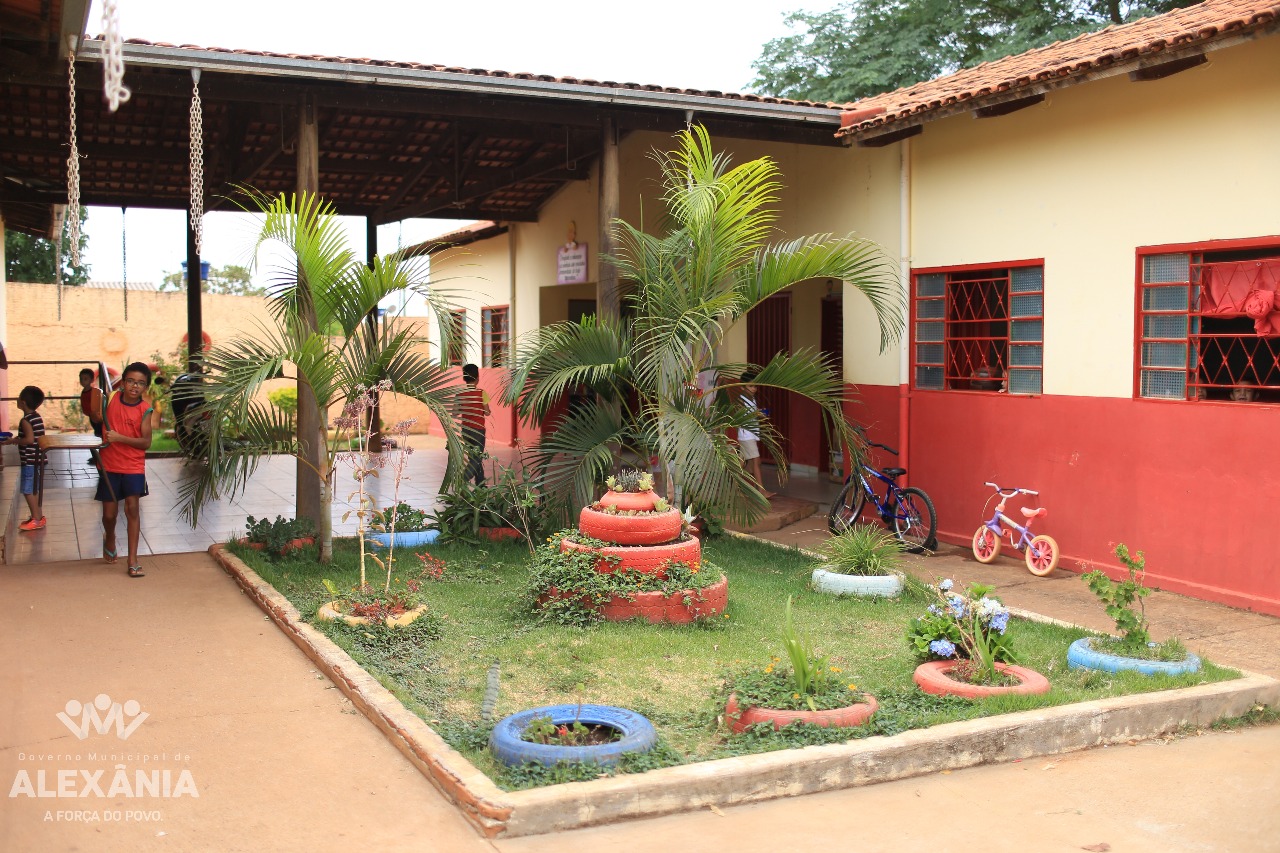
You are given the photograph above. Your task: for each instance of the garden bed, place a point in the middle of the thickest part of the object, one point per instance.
(672, 675)
(477, 617)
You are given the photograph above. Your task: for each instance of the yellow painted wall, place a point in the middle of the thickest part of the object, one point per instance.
(472, 280)
(1094, 172)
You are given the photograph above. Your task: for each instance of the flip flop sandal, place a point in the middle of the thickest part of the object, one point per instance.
(136, 572)
(108, 555)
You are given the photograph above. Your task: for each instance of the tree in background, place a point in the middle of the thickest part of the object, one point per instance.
(32, 259)
(866, 47)
(232, 280)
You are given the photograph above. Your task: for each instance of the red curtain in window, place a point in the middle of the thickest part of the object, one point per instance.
(1244, 287)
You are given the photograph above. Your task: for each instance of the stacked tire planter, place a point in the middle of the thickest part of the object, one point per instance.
(645, 543)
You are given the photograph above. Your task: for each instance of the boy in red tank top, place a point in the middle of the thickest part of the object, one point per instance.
(123, 477)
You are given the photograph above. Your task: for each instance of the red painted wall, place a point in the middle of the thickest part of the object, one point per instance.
(1194, 485)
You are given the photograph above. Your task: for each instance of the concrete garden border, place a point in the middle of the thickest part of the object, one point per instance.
(749, 778)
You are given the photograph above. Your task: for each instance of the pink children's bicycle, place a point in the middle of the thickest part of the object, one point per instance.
(1042, 551)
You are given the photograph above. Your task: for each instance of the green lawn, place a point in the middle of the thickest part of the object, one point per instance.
(674, 675)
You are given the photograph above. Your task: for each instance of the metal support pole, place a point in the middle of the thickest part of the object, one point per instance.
(195, 321)
(371, 255)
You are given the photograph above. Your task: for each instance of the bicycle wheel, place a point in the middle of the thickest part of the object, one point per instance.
(847, 507)
(1042, 555)
(915, 522)
(986, 545)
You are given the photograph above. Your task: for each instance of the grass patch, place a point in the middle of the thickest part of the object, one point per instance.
(674, 675)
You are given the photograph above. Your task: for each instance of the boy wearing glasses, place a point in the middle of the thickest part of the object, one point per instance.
(127, 432)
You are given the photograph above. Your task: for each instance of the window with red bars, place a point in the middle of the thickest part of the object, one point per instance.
(457, 347)
(978, 329)
(1206, 333)
(495, 335)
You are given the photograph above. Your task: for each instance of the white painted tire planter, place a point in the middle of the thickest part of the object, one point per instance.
(1082, 655)
(832, 583)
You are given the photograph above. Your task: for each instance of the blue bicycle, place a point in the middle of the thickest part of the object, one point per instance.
(908, 512)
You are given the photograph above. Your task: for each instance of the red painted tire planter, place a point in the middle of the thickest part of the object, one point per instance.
(655, 607)
(649, 559)
(933, 677)
(642, 501)
(847, 717)
(630, 529)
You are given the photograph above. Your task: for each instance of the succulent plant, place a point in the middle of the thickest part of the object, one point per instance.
(630, 480)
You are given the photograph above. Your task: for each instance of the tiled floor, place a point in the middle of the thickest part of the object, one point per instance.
(74, 530)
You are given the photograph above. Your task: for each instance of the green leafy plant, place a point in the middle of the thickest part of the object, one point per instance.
(968, 628)
(651, 385)
(1118, 599)
(395, 599)
(564, 587)
(276, 536)
(409, 519)
(510, 501)
(863, 549)
(811, 682)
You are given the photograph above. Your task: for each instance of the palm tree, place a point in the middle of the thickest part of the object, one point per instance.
(712, 265)
(320, 299)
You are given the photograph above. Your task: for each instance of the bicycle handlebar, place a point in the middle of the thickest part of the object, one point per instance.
(1012, 493)
(862, 432)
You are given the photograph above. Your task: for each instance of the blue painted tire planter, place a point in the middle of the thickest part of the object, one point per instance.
(886, 586)
(1081, 655)
(408, 539)
(638, 735)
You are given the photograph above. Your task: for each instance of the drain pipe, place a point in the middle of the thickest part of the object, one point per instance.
(511, 321)
(904, 350)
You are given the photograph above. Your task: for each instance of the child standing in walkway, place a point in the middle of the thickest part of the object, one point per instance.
(471, 407)
(748, 436)
(123, 477)
(91, 406)
(29, 431)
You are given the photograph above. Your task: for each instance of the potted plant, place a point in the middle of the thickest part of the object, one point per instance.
(281, 536)
(1133, 650)
(577, 733)
(811, 691)
(861, 560)
(412, 526)
(966, 651)
(397, 604)
(630, 513)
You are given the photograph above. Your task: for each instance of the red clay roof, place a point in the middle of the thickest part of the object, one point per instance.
(482, 72)
(1201, 24)
(472, 233)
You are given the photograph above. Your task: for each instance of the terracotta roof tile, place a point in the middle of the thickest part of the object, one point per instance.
(1204, 22)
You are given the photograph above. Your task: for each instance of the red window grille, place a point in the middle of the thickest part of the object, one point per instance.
(457, 344)
(979, 329)
(1197, 339)
(496, 336)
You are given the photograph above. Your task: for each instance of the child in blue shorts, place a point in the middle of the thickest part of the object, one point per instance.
(29, 431)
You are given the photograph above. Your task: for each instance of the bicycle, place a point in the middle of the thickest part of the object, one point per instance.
(1042, 552)
(908, 511)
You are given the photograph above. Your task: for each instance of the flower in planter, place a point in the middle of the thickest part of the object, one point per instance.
(863, 549)
(969, 628)
(809, 684)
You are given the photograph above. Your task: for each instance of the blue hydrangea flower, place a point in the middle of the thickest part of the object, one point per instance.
(988, 607)
(956, 605)
(946, 585)
(943, 648)
(935, 610)
(1000, 621)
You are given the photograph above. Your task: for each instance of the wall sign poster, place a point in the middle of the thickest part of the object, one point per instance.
(571, 263)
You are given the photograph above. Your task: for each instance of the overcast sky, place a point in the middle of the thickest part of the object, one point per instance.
(692, 44)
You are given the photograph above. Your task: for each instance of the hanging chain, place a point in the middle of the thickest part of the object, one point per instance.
(124, 259)
(113, 57)
(197, 160)
(73, 167)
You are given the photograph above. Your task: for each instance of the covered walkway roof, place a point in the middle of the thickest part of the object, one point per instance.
(397, 139)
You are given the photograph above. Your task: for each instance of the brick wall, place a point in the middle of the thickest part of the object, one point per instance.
(93, 328)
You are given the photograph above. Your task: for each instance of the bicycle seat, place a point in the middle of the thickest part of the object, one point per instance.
(1028, 512)
(893, 473)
